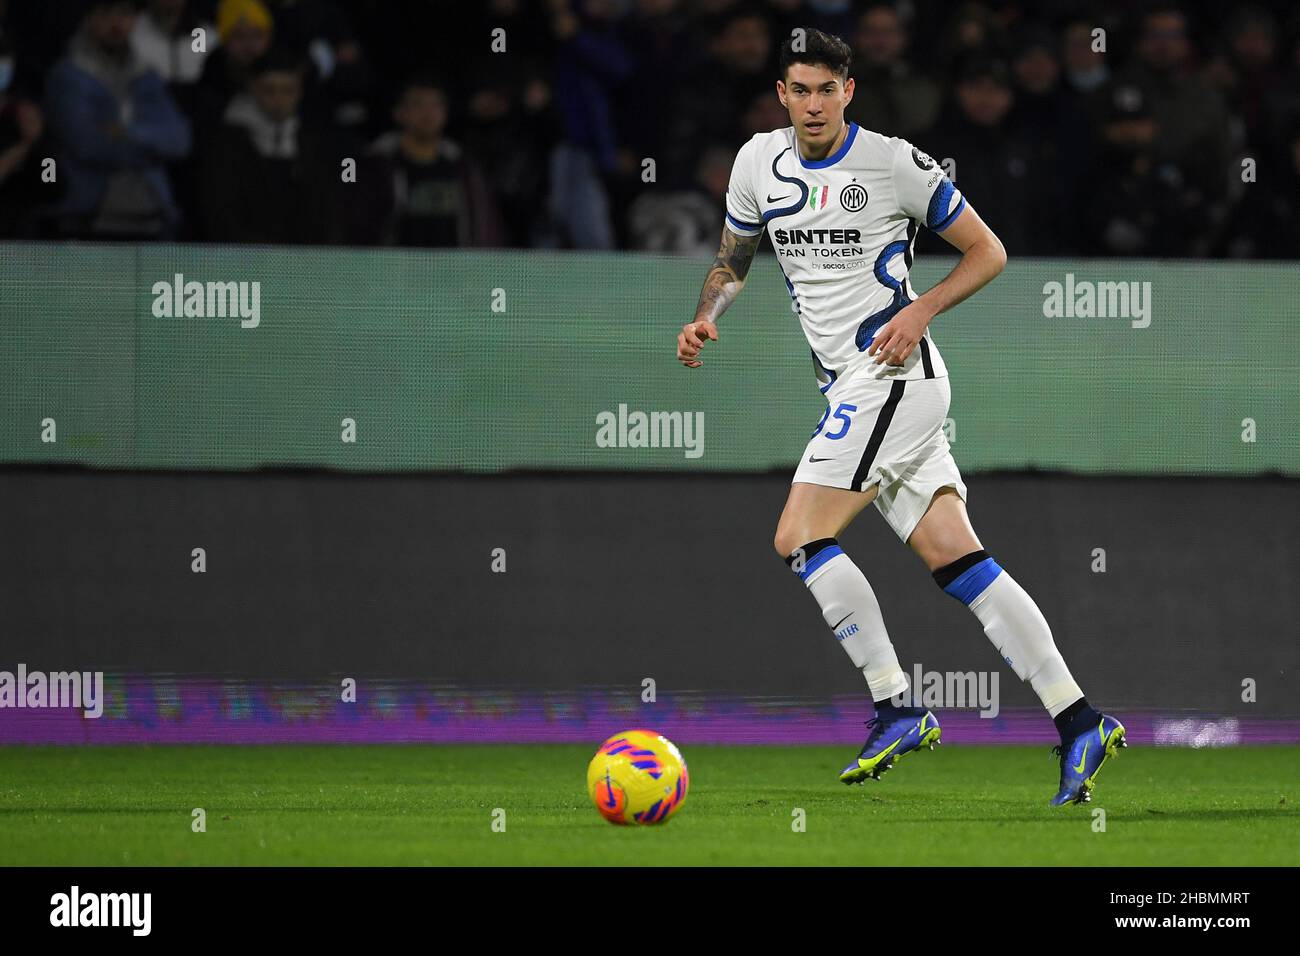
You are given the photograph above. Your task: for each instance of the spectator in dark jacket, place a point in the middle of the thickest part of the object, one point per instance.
(117, 127)
(1139, 203)
(21, 151)
(993, 165)
(429, 192)
(1193, 123)
(1051, 119)
(1266, 223)
(244, 31)
(590, 65)
(272, 176)
(1246, 72)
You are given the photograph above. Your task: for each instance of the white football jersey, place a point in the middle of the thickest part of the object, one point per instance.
(843, 229)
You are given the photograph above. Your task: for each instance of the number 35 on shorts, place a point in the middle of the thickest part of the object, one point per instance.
(841, 414)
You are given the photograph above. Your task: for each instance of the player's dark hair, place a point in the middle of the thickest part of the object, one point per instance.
(818, 49)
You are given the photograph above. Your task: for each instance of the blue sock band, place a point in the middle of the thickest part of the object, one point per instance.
(814, 554)
(968, 577)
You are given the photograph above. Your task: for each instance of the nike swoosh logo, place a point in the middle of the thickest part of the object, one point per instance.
(885, 752)
(1084, 759)
(841, 621)
(778, 199)
(811, 458)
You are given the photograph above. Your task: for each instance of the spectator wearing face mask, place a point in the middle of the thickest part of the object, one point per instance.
(1086, 69)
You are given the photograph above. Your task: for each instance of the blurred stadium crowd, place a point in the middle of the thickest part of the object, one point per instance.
(1064, 148)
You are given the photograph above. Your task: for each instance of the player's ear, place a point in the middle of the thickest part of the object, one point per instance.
(848, 91)
(780, 92)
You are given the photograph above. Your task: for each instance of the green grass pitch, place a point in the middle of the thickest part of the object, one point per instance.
(422, 804)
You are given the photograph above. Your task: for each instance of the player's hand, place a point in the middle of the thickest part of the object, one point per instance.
(898, 337)
(692, 338)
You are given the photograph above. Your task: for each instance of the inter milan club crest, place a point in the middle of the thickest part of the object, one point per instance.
(853, 197)
(921, 159)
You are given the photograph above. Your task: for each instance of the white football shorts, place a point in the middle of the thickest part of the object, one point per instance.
(887, 433)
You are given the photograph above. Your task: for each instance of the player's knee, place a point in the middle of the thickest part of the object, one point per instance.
(968, 577)
(788, 538)
(807, 557)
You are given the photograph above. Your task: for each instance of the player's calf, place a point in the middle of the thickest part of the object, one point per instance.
(1015, 625)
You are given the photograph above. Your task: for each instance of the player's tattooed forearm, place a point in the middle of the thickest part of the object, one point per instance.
(736, 253)
(727, 275)
(719, 290)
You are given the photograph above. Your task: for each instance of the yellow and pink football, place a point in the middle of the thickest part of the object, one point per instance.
(637, 776)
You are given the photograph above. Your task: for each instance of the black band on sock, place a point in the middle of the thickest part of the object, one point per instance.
(810, 550)
(1066, 719)
(951, 572)
(1067, 715)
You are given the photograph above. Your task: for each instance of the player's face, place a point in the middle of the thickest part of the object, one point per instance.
(816, 98)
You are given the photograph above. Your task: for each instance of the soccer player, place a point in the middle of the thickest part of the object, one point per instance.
(843, 206)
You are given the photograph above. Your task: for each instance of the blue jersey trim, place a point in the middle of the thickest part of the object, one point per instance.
(794, 296)
(896, 248)
(803, 192)
(834, 157)
(743, 225)
(952, 217)
(831, 374)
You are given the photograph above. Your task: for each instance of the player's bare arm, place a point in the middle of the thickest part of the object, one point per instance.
(983, 257)
(721, 286)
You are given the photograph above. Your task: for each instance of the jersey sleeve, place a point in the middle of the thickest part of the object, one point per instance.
(924, 191)
(744, 217)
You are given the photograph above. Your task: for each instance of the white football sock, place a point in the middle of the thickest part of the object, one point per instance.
(1018, 630)
(851, 610)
